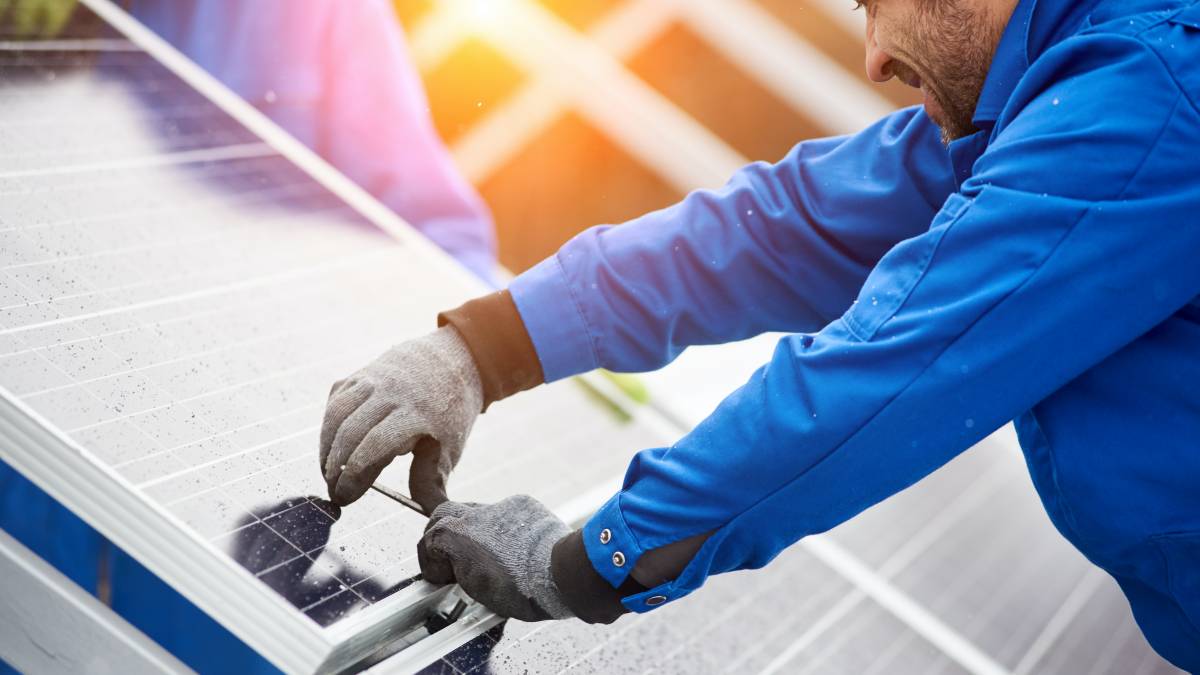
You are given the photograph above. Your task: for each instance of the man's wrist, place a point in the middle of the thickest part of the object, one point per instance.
(583, 590)
(504, 355)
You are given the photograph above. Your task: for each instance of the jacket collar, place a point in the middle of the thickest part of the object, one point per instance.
(1035, 26)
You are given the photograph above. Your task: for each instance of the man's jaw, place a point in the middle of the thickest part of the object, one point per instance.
(933, 108)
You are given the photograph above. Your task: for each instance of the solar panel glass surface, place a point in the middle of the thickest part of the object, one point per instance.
(177, 297)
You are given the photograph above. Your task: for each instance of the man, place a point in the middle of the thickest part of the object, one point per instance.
(1022, 246)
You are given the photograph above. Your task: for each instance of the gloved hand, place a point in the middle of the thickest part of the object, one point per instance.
(35, 19)
(421, 396)
(499, 554)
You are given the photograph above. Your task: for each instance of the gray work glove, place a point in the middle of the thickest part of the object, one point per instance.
(421, 396)
(499, 554)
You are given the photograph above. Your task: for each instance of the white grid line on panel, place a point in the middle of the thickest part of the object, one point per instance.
(241, 151)
(223, 289)
(827, 595)
(102, 182)
(183, 111)
(230, 347)
(1074, 603)
(73, 45)
(306, 431)
(828, 617)
(140, 248)
(264, 197)
(1127, 633)
(119, 329)
(876, 584)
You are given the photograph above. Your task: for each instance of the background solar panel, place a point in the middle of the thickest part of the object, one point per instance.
(177, 297)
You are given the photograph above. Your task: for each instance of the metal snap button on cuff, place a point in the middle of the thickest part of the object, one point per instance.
(605, 536)
(656, 600)
(619, 559)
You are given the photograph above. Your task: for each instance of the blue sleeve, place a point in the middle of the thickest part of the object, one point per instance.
(1073, 237)
(780, 247)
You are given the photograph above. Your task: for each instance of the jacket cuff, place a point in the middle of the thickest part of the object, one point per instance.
(504, 355)
(586, 593)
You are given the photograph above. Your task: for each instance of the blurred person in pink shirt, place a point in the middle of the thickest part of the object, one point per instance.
(338, 76)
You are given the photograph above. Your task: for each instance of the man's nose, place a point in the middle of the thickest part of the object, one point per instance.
(879, 62)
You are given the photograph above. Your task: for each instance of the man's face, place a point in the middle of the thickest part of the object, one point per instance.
(942, 47)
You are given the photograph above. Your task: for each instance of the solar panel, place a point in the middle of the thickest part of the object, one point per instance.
(177, 293)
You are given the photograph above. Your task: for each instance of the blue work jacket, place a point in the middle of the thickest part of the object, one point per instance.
(1045, 269)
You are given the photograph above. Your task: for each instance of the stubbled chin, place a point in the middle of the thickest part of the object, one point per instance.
(933, 109)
